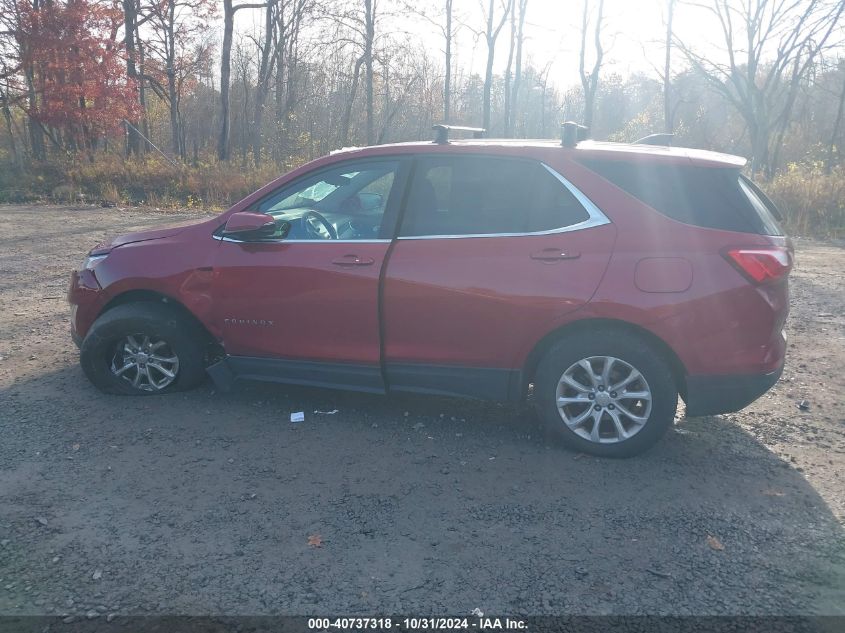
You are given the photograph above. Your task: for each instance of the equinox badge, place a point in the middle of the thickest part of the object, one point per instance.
(259, 322)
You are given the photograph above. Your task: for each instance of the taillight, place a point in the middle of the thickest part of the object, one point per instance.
(761, 265)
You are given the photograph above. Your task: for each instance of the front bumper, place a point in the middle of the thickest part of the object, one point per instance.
(86, 300)
(711, 395)
(77, 339)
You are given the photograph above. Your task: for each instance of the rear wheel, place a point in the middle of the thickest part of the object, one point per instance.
(606, 393)
(143, 349)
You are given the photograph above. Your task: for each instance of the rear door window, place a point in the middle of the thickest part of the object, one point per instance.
(709, 197)
(480, 195)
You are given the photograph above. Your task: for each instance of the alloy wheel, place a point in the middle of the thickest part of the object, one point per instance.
(604, 399)
(148, 363)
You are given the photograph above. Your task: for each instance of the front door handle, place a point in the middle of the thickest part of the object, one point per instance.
(353, 260)
(554, 255)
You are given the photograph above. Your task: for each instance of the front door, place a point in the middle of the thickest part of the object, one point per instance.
(306, 305)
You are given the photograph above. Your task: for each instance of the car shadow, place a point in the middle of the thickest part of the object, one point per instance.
(203, 502)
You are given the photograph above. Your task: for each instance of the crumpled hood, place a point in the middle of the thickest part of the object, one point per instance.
(141, 236)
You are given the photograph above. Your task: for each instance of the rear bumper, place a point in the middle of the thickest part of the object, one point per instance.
(711, 395)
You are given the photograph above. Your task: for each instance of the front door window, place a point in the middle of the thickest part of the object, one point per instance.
(340, 203)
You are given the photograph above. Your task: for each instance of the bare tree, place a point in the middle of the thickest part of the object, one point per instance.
(361, 19)
(668, 123)
(370, 8)
(10, 66)
(522, 8)
(289, 25)
(229, 10)
(7, 118)
(406, 76)
(16, 53)
(267, 57)
(491, 34)
(770, 46)
(130, 27)
(448, 35)
(509, 70)
(347, 111)
(445, 23)
(590, 79)
(178, 33)
(142, 82)
(834, 146)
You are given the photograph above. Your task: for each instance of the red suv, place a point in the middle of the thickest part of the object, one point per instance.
(605, 279)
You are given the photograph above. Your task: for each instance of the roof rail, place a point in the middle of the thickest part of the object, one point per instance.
(661, 138)
(441, 132)
(571, 133)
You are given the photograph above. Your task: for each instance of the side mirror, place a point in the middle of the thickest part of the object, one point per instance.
(247, 223)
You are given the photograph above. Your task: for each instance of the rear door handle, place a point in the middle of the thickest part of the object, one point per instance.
(554, 255)
(353, 260)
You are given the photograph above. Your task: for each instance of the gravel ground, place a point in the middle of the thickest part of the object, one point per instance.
(205, 503)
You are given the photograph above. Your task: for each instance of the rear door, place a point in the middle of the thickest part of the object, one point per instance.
(491, 254)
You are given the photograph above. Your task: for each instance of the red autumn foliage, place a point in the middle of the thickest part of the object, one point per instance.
(77, 67)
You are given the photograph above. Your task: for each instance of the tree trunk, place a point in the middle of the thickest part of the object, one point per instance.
(385, 108)
(509, 72)
(517, 76)
(280, 89)
(279, 75)
(589, 81)
(133, 140)
(781, 124)
(262, 86)
(488, 85)
(36, 133)
(370, 26)
(172, 93)
(347, 111)
(174, 111)
(142, 91)
(7, 117)
(759, 135)
(225, 77)
(833, 146)
(447, 81)
(488, 71)
(279, 98)
(668, 124)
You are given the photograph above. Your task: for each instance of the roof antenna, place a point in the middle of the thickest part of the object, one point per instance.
(571, 133)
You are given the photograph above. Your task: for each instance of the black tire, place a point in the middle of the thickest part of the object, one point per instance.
(153, 319)
(627, 347)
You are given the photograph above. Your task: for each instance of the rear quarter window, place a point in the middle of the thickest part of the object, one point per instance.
(709, 197)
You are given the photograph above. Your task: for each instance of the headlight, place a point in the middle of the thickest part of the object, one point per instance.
(91, 261)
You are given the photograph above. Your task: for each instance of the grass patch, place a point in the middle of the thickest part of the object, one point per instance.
(112, 179)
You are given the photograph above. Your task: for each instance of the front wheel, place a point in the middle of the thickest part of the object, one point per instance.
(143, 349)
(606, 393)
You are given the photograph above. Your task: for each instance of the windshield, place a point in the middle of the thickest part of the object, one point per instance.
(309, 196)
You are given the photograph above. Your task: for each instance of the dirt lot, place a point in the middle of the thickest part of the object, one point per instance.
(204, 503)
